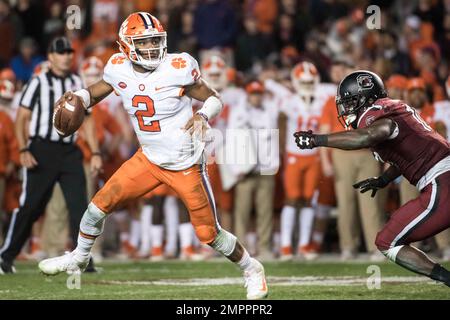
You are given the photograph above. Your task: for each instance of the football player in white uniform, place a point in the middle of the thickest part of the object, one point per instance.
(157, 90)
(302, 168)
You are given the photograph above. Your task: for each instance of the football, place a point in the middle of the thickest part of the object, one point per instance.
(68, 115)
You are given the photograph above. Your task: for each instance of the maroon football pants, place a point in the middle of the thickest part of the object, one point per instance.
(420, 218)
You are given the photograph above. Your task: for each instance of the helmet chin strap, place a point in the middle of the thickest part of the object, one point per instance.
(350, 120)
(353, 118)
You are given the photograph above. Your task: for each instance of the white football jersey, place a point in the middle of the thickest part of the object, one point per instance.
(303, 117)
(158, 108)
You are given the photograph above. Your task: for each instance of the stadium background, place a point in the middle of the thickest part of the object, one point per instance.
(259, 39)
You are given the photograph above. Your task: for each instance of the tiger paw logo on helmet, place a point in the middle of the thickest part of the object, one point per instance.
(178, 63)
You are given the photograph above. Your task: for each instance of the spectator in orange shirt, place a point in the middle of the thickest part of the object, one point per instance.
(396, 86)
(416, 97)
(105, 127)
(9, 150)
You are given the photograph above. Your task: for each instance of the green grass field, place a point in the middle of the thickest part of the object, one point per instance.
(221, 280)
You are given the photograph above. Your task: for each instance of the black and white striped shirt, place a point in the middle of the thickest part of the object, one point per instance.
(39, 96)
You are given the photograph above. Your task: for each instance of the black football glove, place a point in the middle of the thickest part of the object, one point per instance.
(373, 184)
(305, 139)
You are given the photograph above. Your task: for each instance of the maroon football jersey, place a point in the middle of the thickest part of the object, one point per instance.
(415, 148)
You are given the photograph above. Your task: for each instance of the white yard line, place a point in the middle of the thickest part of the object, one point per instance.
(277, 281)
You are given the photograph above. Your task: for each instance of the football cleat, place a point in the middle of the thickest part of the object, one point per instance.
(6, 267)
(128, 250)
(70, 262)
(286, 254)
(309, 251)
(157, 254)
(255, 281)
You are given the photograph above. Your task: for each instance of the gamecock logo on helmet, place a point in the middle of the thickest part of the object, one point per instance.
(365, 81)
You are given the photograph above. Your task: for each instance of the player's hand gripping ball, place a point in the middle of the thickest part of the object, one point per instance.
(68, 114)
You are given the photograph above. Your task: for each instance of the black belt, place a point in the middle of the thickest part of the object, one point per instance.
(60, 142)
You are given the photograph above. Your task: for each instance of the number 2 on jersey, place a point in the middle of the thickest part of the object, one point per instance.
(149, 111)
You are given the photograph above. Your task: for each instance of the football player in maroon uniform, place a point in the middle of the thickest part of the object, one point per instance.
(398, 135)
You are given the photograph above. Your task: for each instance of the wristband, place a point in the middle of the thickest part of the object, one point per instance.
(211, 107)
(321, 140)
(204, 116)
(85, 96)
(26, 149)
(384, 180)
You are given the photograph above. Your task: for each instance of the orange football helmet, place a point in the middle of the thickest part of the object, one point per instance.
(6, 89)
(8, 74)
(91, 70)
(44, 66)
(214, 71)
(143, 40)
(305, 78)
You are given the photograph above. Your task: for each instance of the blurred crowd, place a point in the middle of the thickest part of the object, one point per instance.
(261, 55)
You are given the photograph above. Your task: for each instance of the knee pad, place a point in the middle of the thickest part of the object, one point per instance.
(391, 253)
(93, 221)
(224, 243)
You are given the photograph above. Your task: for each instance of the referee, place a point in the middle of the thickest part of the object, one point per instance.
(46, 157)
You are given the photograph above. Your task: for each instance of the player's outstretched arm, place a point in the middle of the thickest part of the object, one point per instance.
(91, 95)
(370, 136)
(99, 91)
(94, 93)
